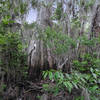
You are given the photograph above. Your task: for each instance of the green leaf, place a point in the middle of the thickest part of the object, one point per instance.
(50, 75)
(56, 75)
(68, 76)
(68, 85)
(94, 88)
(75, 85)
(94, 75)
(83, 80)
(45, 86)
(45, 74)
(61, 76)
(91, 69)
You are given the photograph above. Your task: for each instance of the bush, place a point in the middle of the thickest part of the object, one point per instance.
(85, 74)
(13, 59)
(89, 68)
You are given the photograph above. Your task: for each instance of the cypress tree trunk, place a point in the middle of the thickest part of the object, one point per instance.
(39, 55)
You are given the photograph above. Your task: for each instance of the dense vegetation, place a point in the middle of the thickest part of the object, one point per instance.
(57, 58)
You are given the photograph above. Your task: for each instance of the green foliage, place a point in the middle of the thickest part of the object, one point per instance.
(34, 3)
(89, 66)
(79, 98)
(86, 74)
(57, 41)
(23, 8)
(13, 58)
(88, 42)
(89, 3)
(19, 8)
(2, 87)
(29, 26)
(64, 81)
(87, 62)
(59, 11)
(75, 23)
(6, 20)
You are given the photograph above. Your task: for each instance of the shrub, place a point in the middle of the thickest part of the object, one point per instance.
(13, 59)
